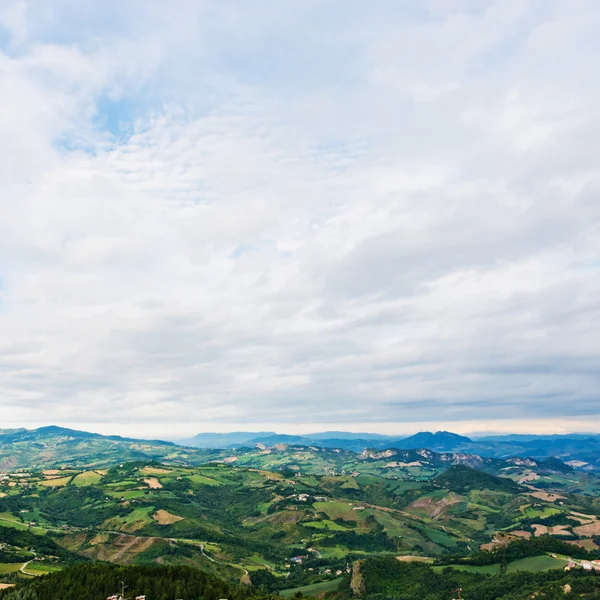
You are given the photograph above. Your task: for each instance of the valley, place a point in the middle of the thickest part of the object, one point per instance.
(284, 517)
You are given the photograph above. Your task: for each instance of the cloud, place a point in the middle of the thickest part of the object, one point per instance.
(380, 217)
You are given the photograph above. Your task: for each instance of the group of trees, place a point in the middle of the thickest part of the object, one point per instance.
(387, 578)
(97, 581)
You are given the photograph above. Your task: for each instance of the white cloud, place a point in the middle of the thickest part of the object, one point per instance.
(324, 214)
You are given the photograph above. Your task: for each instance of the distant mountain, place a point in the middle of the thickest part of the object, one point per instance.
(439, 441)
(55, 445)
(53, 431)
(576, 447)
(326, 439)
(235, 439)
(52, 447)
(280, 438)
(345, 435)
(520, 437)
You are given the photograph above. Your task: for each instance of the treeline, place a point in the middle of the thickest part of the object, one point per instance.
(387, 578)
(521, 549)
(92, 582)
(42, 544)
(7, 556)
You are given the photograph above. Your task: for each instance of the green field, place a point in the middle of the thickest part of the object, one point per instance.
(59, 482)
(336, 510)
(315, 588)
(10, 567)
(87, 478)
(540, 513)
(39, 568)
(325, 524)
(132, 521)
(7, 516)
(533, 564)
(203, 480)
(128, 495)
(536, 563)
(9, 520)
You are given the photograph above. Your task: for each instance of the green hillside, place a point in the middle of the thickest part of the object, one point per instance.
(287, 516)
(461, 479)
(389, 578)
(244, 523)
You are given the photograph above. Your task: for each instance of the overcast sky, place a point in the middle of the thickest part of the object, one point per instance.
(300, 215)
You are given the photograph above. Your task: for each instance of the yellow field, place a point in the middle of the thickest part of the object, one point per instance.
(154, 471)
(153, 483)
(162, 517)
(61, 481)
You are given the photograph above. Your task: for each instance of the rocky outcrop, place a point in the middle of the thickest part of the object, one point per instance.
(357, 583)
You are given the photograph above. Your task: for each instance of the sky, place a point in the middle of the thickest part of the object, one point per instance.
(298, 216)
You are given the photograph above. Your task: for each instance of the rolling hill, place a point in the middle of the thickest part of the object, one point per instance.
(235, 512)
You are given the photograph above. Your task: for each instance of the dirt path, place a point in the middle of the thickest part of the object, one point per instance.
(207, 556)
(24, 565)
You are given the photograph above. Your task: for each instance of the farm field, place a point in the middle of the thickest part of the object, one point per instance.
(312, 589)
(10, 567)
(532, 564)
(87, 478)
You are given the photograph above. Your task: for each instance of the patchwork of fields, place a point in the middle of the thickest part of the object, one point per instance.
(303, 523)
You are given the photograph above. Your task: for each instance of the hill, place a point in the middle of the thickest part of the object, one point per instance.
(461, 479)
(52, 446)
(270, 506)
(390, 578)
(91, 582)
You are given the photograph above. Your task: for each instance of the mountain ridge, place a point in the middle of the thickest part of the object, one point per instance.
(64, 445)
